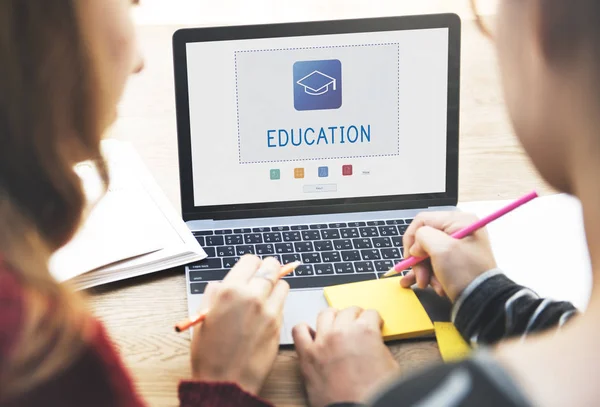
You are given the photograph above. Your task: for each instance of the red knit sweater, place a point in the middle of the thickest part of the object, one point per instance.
(98, 377)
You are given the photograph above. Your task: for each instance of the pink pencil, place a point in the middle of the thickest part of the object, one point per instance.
(411, 261)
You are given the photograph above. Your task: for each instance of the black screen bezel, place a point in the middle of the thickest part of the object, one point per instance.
(340, 205)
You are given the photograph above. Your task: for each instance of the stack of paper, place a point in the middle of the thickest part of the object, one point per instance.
(133, 229)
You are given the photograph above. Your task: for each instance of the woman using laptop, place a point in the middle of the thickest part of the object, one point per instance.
(63, 66)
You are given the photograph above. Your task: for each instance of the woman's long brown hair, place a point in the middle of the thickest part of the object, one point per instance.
(49, 121)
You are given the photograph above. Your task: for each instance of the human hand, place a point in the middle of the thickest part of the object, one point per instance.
(239, 339)
(453, 263)
(345, 360)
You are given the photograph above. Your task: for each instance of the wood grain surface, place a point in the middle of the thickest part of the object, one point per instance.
(140, 313)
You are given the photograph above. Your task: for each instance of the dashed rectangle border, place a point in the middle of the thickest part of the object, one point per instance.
(305, 48)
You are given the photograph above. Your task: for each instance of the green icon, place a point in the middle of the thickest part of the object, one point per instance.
(275, 174)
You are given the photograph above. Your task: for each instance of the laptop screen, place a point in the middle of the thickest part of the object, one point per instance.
(318, 117)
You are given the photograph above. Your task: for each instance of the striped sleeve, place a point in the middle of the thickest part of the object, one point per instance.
(493, 308)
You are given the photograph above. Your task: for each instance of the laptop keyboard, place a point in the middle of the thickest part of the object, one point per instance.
(334, 253)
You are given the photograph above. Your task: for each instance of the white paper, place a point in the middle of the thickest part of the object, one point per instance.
(133, 230)
(542, 245)
(178, 245)
(117, 228)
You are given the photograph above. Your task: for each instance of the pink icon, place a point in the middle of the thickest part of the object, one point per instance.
(346, 170)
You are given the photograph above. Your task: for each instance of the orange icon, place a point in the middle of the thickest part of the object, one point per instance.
(298, 172)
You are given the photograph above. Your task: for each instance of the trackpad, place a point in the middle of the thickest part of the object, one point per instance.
(301, 307)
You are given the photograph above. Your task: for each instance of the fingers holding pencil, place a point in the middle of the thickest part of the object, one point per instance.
(246, 274)
(451, 264)
(239, 339)
(458, 225)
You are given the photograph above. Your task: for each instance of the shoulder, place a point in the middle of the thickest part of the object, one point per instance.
(98, 369)
(473, 382)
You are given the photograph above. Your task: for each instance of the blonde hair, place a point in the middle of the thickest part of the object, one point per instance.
(49, 121)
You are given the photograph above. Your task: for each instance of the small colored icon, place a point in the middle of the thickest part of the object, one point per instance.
(323, 172)
(346, 170)
(298, 172)
(275, 173)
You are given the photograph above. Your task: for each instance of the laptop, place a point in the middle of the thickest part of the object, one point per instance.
(314, 141)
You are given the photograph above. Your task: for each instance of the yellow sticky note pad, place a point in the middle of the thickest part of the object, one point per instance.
(451, 343)
(402, 313)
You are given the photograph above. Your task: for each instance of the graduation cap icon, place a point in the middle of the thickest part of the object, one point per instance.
(317, 83)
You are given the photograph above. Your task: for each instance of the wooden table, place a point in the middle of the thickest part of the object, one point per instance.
(140, 313)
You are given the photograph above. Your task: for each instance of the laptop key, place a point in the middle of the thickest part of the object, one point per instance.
(330, 234)
(343, 268)
(223, 251)
(198, 288)
(261, 230)
(234, 239)
(383, 265)
(369, 232)
(323, 269)
(319, 226)
(408, 221)
(397, 241)
(290, 258)
(337, 225)
(252, 238)
(291, 236)
(371, 254)
(304, 270)
(330, 257)
(214, 263)
(402, 273)
(356, 224)
(392, 253)
(323, 245)
(210, 251)
(388, 231)
(349, 233)
(215, 241)
(203, 233)
(280, 228)
(350, 255)
(402, 229)
(273, 237)
(381, 242)
(284, 248)
(244, 230)
(208, 275)
(328, 280)
(200, 240)
(345, 244)
(311, 258)
(364, 267)
(264, 249)
(223, 232)
(244, 249)
(395, 222)
(302, 247)
(362, 243)
(300, 227)
(311, 235)
(376, 223)
(229, 262)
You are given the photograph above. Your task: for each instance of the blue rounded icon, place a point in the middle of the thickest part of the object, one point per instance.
(323, 172)
(318, 85)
